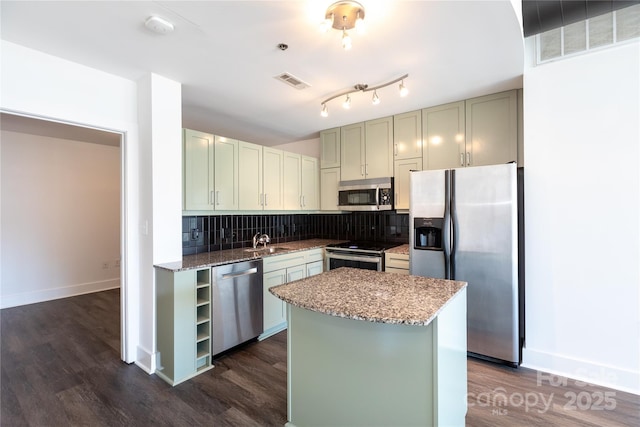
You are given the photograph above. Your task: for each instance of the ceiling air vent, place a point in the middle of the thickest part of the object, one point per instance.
(292, 81)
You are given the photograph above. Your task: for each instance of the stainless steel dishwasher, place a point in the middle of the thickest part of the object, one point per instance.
(237, 304)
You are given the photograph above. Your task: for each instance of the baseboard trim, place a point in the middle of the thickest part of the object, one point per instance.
(33, 297)
(272, 331)
(146, 360)
(580, 371)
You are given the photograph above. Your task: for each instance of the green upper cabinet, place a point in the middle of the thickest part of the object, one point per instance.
(476, 132)
(301, 181)
(492, 129)
(198, 170)
(250, 177)
(366, 150)
(210, 172)
(443, 136)
(352, 152)
(379, 148)
(329, 179)
(226, 173)
(330, 148)
(309, 183)
(407, 135)
(402, 171)
(292, 171)
(273, 178)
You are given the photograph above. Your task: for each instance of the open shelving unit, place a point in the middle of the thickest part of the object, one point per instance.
(184, 329)
(203, 319)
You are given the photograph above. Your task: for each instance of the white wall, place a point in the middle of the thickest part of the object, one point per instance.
(582, 195)
(160, 124)
(60, 218)
(44, 86)
(307, 147)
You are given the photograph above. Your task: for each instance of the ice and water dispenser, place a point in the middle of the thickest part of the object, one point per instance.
(428, 233)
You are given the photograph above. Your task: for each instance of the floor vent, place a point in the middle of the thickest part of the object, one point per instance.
(292, 81)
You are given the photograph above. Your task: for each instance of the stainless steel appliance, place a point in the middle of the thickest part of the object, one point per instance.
(374, 194)
(467, 225)
(360, 254)
(237, 304)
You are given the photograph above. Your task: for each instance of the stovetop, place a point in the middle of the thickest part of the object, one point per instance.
(356, 245)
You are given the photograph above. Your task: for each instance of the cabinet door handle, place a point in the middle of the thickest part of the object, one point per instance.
(468, 158)
(265, 199)
(217, 197)
(366, 169)
(300, 201)
(304, 202)
(395, 149)
(362, 170)
(213, 198)
(461, 159)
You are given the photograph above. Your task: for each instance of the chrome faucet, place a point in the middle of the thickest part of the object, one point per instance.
(261, 238)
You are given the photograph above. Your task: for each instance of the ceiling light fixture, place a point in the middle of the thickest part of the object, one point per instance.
(325, 111)
(375, 100)
(403, 89)
(343, 16)
(158, 25)
(347, 102)
(364, 88)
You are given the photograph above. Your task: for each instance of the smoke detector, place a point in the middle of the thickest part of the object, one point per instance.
(158, 25)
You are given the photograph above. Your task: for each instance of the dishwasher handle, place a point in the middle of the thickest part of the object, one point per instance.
(248, 272)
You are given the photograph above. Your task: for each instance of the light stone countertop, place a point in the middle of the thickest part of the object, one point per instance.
(371, 295)
(401, 250)
(212, 259)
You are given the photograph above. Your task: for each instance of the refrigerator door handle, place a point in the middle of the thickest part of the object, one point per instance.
(451, 205)
(446, 226)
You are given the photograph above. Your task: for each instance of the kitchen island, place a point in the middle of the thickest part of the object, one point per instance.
(367, 348)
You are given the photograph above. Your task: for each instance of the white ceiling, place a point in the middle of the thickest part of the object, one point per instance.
(225, 55)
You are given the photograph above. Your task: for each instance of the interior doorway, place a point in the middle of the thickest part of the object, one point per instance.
(50, 229)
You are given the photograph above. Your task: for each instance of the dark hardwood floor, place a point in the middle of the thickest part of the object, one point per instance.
(60, 366)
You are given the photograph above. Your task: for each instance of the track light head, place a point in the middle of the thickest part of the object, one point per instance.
(375, 100)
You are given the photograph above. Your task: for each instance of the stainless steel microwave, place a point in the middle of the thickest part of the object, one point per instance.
(374, 194)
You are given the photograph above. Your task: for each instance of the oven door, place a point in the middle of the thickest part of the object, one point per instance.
(335, 260)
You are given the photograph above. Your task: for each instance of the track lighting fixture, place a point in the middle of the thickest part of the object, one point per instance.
(343, 16)
(346, 40)
(375, 100)
(347, 102)
(403, 89)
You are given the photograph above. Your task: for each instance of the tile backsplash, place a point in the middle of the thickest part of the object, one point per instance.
(217, 232)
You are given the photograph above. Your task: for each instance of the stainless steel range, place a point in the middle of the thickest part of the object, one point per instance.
(357, 254)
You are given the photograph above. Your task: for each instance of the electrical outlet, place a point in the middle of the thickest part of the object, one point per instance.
(105, 265)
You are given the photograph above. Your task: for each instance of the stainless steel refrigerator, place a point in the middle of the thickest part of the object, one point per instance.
(467, 224)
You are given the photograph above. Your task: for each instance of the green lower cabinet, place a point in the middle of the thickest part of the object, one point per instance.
(281, 269)
(183, 325)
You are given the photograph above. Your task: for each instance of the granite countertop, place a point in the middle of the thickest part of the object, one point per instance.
(402, 250)
(212, 259)
(371, 295)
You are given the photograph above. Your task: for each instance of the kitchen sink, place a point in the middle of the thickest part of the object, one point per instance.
(268, 250)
